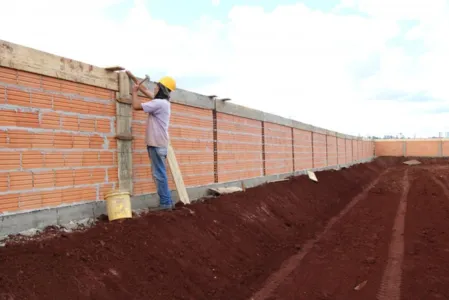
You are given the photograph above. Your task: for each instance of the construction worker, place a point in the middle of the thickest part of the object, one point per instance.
(156, 135)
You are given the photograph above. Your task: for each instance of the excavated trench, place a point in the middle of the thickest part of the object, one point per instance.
(373, 230)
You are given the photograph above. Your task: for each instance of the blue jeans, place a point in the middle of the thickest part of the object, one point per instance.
(157, 156)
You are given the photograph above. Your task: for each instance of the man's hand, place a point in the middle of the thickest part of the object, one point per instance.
(135, 88)
(135, 102)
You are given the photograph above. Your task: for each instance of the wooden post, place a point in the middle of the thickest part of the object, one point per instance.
(124, 116)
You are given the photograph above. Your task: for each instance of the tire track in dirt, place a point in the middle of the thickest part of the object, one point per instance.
(289, 265)
(441, 184)
(390, 288)
(426, 260)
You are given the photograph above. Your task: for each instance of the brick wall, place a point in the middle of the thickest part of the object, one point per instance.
(58, 126)
(412, 147)
(56, 141)
(332, 155)
(303, 149)
(278, 149)
(341, 150)
(319, 150)
(239, 148)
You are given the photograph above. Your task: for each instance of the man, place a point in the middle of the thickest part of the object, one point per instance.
(156, 135)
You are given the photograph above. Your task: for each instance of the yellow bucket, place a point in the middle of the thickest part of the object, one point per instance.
(118, 204)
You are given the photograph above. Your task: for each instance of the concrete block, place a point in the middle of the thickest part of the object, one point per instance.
(66, 214)
(22, 221)
(99, 208)
(238, 110)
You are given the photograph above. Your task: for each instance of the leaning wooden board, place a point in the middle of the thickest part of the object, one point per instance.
(173, 163)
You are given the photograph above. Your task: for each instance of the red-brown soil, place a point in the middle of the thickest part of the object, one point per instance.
(295, 239)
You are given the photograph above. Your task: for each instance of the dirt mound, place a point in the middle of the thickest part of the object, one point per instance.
(222, 248)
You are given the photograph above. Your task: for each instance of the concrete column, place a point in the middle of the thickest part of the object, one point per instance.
(124, 116)
(404, 148)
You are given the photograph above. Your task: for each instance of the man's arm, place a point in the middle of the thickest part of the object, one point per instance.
(135, 100)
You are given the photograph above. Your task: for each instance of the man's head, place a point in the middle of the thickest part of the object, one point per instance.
(164, 87)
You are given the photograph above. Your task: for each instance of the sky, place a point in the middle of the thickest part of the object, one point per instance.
(361, 67)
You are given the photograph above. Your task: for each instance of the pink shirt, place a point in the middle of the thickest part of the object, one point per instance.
(156, 134)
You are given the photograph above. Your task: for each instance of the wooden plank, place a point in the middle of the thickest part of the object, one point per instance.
(114, 68)
(124, 135)
(177, 176)
(31, 60)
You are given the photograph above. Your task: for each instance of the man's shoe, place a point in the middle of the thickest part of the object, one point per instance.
(166, 206)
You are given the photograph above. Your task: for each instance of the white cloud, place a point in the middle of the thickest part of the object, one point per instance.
(319, 68)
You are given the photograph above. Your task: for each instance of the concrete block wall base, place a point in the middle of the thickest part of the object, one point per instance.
(39, 219)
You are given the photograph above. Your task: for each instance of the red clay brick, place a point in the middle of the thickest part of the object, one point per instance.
(8, 118)
(70, 87)
(64, 178)
(27, 119)
(62, 103)
(89, 176)
(44, 179)
(18, 97)
(9, 202)
(73, 159)
(112, 174)
(81, 142)
(9, 160)
(106, 158)
(79, 194)
(28, 79)
(20, 181)
(30, 200)
(103, 126)
(43, 140)
(96, 142)
(86, 124)
(54, 160)
(20, 139)
(4, 178)
(63, 141)
(32, 159)
(51, 120)
(91, 159)
(41, 100)
(51, 198)
(2, 95)
(8, 75)
(51, 84)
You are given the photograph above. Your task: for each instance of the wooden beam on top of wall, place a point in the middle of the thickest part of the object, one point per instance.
(31, 60)
(124, 116)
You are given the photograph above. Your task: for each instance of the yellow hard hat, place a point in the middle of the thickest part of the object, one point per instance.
(168, 82)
